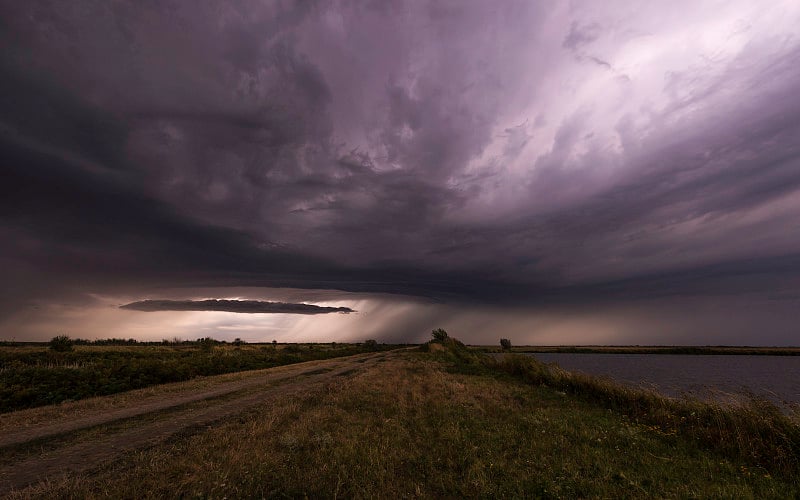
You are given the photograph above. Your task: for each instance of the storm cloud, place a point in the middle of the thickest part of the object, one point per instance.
(237, 306)
(520, 154)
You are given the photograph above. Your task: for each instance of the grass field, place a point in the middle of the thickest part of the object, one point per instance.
(34, 375)
(449, 423)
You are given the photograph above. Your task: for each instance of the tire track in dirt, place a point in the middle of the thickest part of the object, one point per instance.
(85, 455)
(167, 401)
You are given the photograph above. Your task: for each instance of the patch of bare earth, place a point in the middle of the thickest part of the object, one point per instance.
(79, 436)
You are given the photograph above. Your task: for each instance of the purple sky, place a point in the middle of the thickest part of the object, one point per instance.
(554, 172)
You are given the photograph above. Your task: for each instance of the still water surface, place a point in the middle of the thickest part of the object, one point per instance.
(776, 377)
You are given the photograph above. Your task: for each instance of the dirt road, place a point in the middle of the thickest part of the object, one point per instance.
(92, 438)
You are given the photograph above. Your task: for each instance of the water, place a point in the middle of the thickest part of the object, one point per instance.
(706, 376)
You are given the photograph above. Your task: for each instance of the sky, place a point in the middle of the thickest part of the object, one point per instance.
(553, 172)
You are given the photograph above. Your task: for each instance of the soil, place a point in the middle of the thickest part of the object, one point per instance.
(52, 448)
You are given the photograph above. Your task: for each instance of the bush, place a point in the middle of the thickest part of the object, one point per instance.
(61, 343)
(439, 334)
(505, 344)
(292, 349)
(206, 344)
(371, 344)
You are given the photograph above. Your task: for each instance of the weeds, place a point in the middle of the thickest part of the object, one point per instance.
(61, 343)
(410, 429)
(755, 431)
(36, 377)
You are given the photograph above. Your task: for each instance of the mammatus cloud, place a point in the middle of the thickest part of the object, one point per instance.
(237, 306)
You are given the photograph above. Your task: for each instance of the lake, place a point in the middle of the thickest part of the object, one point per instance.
(704, 376)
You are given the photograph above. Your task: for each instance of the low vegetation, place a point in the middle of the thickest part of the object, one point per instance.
(450, 421)
(444, 423)
(61, 343)
(755, 431)
(34, 375)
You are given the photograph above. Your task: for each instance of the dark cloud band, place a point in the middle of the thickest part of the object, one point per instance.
(237, 306)
(504, 153)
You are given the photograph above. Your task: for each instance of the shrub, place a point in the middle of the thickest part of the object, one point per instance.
(505, 344)
(371, 344)
(292, 349)
(206, 344)
(439, 334)
(61, 343)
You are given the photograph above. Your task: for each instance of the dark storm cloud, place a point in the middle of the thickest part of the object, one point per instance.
(513, 152)
(92, 228)
(237, 306)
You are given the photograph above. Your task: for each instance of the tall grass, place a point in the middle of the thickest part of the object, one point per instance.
(32, 377)
(753, 430)
(409, 427)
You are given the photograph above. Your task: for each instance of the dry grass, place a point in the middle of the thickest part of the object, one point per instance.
(409, 428)
(14, 421)
(752, 430)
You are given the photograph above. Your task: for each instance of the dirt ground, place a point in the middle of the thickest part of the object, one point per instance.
(42, 443)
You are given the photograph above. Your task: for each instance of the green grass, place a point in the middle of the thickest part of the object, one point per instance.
(754, 431)
(32, 376)
(439, 424)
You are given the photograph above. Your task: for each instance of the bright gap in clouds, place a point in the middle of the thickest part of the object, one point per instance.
(553, 172)
(622, 88)
(397, 319)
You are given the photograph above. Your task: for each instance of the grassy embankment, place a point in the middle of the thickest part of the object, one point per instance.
(453, 423)
(754, 431)
(33, 376)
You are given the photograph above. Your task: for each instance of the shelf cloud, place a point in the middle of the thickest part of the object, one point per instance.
(521, 154)
(237, 306)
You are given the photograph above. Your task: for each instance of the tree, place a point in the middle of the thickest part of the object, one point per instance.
(505, 344)
(61, 343)
(439, 334)
(371, 344)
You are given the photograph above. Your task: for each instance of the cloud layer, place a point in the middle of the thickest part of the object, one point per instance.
(236, 306)
(504, 153)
